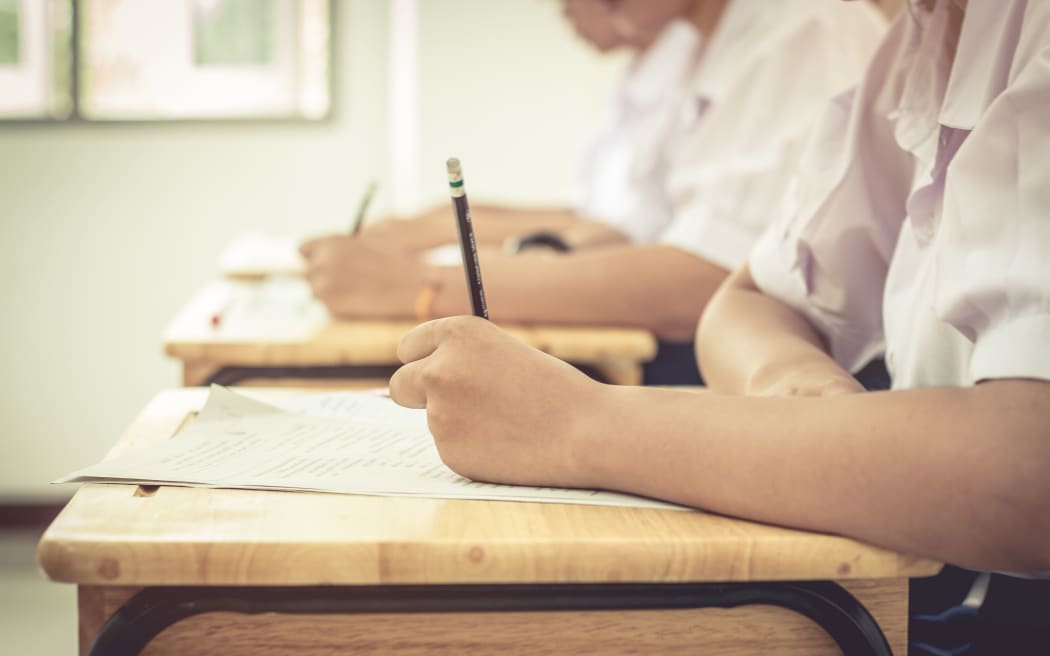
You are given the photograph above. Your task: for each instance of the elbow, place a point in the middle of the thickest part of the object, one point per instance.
(1001, 486)
(1024, 496)
(706, 328)
(709, 336)
(1015, 539)
(1027, 549)
(1023, 554)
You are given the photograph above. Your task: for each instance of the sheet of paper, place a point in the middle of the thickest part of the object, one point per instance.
(446, 255)
(354, 406)
(350, 443)
(256, 255)
(276, 309)
(276, 306)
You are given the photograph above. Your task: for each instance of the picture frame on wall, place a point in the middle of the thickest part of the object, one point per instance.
(203, 59)
(35, 59)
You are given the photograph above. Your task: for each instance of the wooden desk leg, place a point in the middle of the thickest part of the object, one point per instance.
(95, 605)
(619, 372)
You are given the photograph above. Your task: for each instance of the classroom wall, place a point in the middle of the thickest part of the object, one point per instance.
(105, 229)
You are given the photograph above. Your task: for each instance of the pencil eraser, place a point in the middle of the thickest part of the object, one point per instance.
(453, 166)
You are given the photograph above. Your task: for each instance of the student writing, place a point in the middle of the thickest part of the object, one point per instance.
(921, 224)
(701, 140)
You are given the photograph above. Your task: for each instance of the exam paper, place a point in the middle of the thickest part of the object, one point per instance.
(283, 307)
(258, 256)
(353, 443)
(253, 256)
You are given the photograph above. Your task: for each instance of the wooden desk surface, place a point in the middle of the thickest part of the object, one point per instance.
(304, 334)
(123, 535)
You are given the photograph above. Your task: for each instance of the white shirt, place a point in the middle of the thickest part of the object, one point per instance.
(622, 170)
(921, 220)
(703, 138)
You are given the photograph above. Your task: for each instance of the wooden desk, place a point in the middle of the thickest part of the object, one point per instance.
(275, 330)
(357, 574)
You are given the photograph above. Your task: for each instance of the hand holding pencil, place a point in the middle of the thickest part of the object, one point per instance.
(370, 276)
(342, 270)
(499, 410)
(497, 435)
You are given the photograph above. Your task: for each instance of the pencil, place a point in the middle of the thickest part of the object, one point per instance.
(362, 208)
(467, 243)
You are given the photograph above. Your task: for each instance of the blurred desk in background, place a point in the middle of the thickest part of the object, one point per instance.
(219, 571)
(272, 331)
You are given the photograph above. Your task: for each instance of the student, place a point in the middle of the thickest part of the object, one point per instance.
(701, 140)
(921, 225)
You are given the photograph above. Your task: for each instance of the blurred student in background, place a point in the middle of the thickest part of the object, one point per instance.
(920, 224)
(687, 168)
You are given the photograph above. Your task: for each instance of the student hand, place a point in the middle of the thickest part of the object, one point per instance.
(499, 410)
(363, 277)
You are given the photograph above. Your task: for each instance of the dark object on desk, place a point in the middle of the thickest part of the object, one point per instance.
(536, 240)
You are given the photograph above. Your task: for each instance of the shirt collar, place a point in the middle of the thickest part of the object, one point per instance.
(927, 62)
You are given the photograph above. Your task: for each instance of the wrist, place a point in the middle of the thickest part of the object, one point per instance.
(593, 434)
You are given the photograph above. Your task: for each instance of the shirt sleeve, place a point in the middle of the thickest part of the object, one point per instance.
(828, 255)
(993, 272)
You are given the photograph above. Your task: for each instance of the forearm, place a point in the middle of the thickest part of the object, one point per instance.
(659, 288)
(584, 234)
(746, 340)
(954, 474)
(494, 224)
(498, 223)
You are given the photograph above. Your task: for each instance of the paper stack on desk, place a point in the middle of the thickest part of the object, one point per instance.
(255, 256)
(353, 443)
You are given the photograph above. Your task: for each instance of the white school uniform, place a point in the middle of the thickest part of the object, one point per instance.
(622, 169)
(921, 217)
(703, 136)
